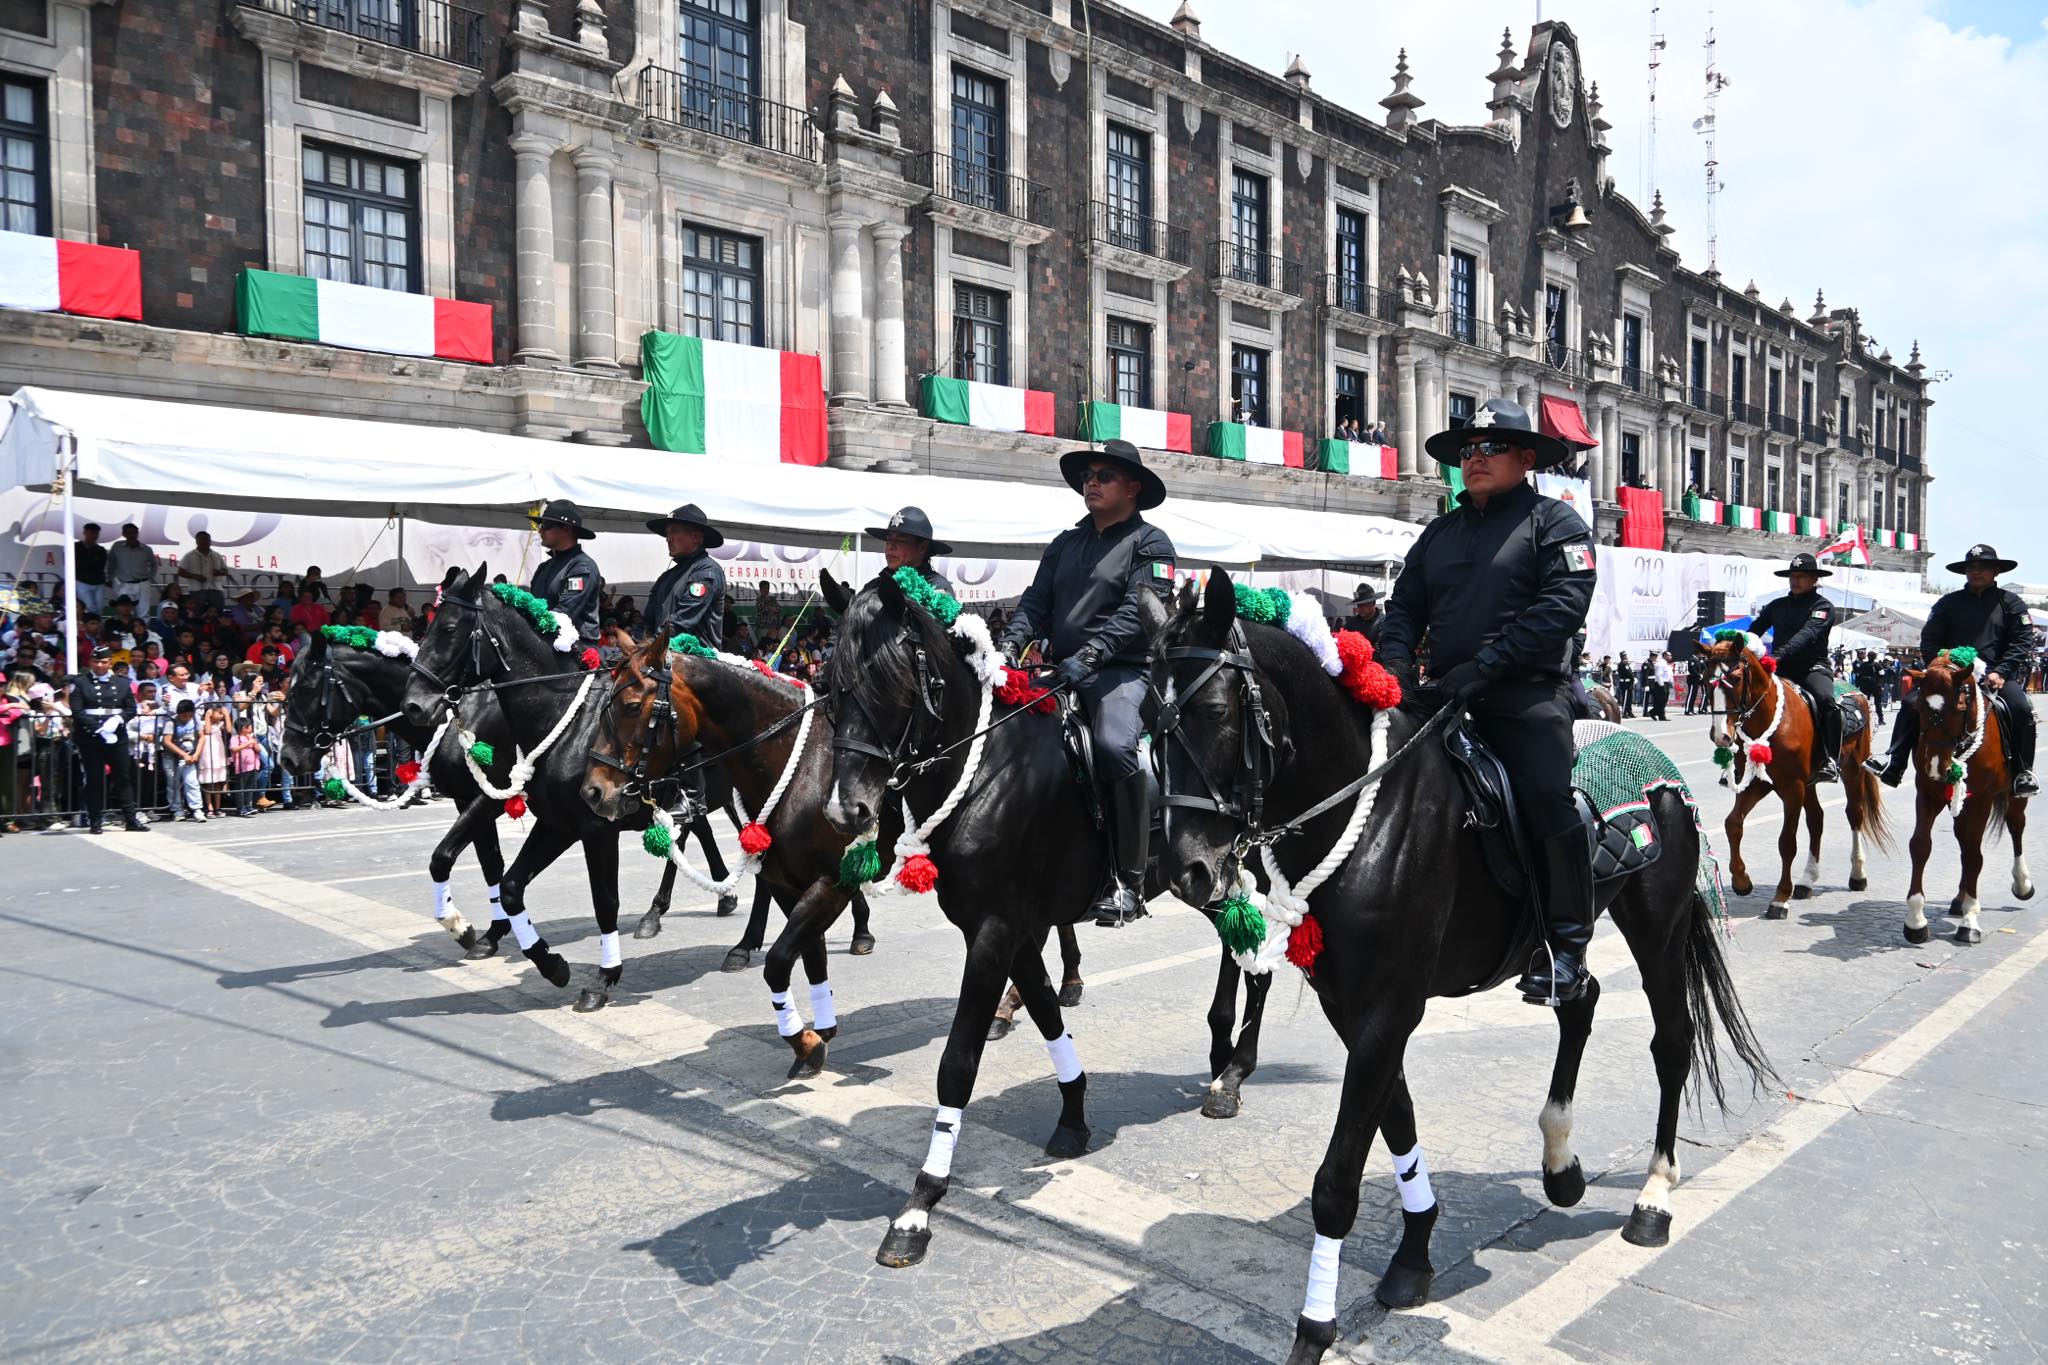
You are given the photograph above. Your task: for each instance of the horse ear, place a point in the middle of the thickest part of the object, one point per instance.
(448, 579)
(891, 592)
(837, 595)
(1185, 601)
(481, 577)
(1219, 605)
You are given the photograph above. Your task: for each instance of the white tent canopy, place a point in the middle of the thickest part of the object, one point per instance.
(333, 466)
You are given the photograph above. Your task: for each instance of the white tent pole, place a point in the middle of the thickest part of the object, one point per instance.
(69, 614)
(400, 576)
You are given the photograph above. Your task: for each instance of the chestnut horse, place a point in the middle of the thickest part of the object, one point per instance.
(1763, 711)
(1959, 729)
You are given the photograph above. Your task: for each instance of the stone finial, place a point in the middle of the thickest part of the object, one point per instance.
(1915, 368)
(1820, 307)
(1297, 73)
(1599, 125)
(1505, 68)
(1787, 309)
(1752, 293)
(1401, 103)
(842, 110)
(886, 119)
(1506, 101)
(1186, 22)
(1663, 229)
(1884, 357)
(533, 18)
(590, 26)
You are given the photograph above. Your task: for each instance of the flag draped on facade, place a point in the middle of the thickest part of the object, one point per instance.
(739, 402)
(1359, 457)
(1146, 427)
(991, 407)
(47, 275)
(1260, 445)
(355, 315)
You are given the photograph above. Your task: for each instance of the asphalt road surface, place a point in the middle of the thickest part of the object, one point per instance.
(254, 1107)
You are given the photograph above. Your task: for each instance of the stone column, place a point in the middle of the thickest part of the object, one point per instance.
(1404, 416)
(597, 341)
(1527, 397)
(891, 366)
(1430, 412)
(849, 322)
(1607, 455)
(535, 239)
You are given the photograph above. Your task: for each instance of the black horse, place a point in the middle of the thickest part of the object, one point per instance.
(1411, 913)
(1020, 854)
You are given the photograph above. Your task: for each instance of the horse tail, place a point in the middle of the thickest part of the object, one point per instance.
(2001, 806)
(1710, 992)
(1866, 810)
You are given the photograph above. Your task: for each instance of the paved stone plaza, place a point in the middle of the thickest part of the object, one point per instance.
(253, 1106)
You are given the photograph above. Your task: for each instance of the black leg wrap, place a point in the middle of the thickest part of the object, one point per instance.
(1070, 1138)
(1409, 1273)
(1567, 1187)
(906, 1246)
(552, 964)
(1647, 1227)
(1311, 1339)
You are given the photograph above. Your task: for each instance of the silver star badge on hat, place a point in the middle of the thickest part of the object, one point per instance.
(1483, 418)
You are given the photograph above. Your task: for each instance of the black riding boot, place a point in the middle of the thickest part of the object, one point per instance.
(1830, 769)
(1891, 769)
(1130, 825)
(1557, 971)
(2023, 783)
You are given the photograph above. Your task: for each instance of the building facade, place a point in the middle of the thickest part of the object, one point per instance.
(1034, 195)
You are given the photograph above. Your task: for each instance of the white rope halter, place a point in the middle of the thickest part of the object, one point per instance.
(412, 788)
(523, 767)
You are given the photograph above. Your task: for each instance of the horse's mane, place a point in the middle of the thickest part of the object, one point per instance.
(863, 665)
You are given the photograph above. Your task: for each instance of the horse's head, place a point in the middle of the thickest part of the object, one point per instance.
(1734, 662)
(316, 707)
(888, 687)
(1948, 695)
(450, 651)
(651, 718)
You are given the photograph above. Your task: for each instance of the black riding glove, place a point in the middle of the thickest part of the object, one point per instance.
(1464, 682)
(1076, 667)
(1010, 652)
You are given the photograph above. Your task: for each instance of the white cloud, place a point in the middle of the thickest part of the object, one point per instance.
(1867, 148)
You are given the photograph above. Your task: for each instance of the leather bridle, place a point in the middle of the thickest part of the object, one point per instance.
(479, 632)
(1956, 722)
(1246, 800)
(906, 757)
(332, 681)
(660, 715)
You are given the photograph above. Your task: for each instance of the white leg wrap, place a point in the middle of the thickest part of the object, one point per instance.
(1811, 877)
(523, 931)
(1916, 912)
(1066, 1062)
(1856, 855)
(2022, 883)
(497, 909)
(1556, 1124)
(938, 1159)
(822, 1013)
(1970, 912)
(1320, 1303)
(1657, 1189)
(442, 901)
(608, 949)
(788, 1022)
(1411, 1177)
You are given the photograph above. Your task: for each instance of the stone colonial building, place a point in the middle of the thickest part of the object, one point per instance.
(1034, 195)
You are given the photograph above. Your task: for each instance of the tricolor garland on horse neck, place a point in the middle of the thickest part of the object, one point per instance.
(1759, 750)
(560, 632)
(391, 645)
(1965, 658)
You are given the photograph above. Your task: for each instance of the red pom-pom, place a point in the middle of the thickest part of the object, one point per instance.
(515, 808)
(1368, 683)
(1305, 943)
(1760, 754)
(918, 874)
(407, 774)
(590, 659)
(754, 839)
(1769, 662)
(1017, 689)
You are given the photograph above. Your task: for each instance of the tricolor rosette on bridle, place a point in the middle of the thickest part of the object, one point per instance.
(1757, 751)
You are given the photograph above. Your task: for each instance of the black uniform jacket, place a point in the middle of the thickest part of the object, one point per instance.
(1507, 586)
(93, 700)
(1086, 592)
(1371, 629)
(568, 581)
(689, 596)
(1994, 621)
(1799, 625)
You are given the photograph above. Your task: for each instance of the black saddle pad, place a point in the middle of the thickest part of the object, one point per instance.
(1622, 846)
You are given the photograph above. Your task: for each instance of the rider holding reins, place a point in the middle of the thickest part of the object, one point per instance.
(1799, 624)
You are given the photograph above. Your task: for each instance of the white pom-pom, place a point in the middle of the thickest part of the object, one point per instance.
(392, 645)
(1305, 623)
(565, 633)
(982, 655)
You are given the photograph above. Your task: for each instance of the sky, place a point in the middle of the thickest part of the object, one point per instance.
(1893, 153)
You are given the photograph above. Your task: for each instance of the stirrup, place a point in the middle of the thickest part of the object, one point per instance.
(1120, 907)
(2024, 784)
(1830, 771)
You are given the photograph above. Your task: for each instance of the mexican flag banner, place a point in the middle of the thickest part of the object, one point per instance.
(1146, 427)
(364, 319)
(1260, 445)
(1813, 526)
(52, 276)
(1745, 518)
(1848, 548)
(1781, 523)
(1359, 457)
(1708, 510)
(737, 402)
(992, 407)
(1909, 540)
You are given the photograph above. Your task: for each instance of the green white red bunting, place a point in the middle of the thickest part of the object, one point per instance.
(739, 402)
(1148, 428)
(356, 316)
(1792, 524)
(1359, 457)
(1709, 510)
(1260, 445)
(991, 407)
(1896, 540)
(1745, 518)
(48, 275)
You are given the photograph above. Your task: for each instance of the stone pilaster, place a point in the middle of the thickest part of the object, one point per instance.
(535, 247)
(596, 289)
(891, 375)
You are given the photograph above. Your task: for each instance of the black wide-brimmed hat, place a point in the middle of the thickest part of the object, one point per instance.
(1804, 562)
(1498, 419)
(910, 521)
(689, 514)
(1074, 468)
(562, 512)
(1983, 557)
(1364, 593)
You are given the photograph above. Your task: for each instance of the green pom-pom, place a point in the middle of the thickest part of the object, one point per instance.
(687, 643)
(483, 753)
(356, 637)
(1724, 757)
(945, 607)
(1723, 636)
(1240, 925)
(536, 610)
(1267, 606)
(1955, 772)
(859, 865)
(656, 839)
(1964, 656)
(334, 790)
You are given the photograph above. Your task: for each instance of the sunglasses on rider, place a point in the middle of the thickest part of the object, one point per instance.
(1490, 448)
(1102, 474)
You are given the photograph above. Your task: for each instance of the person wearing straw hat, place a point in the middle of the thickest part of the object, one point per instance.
(907, 542)
(1993, 621)
(1799, 624)
(689, 596)
(1502, 583)
(567, 579)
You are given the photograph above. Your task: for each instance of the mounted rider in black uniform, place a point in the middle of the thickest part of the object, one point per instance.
(690, 594)
(907, 543)
(1501, 583)
(1085, 603)
(568, 580)
(1993, 621)
(1799, 624)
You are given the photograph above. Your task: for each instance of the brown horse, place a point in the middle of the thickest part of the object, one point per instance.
(1959, 727)
(1763, 708)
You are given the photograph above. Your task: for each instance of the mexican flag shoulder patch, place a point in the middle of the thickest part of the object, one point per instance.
(576, 583)
(1578, 558)
(696, 590)
(1162, 568)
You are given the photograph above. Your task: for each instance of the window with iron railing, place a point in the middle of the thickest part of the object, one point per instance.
(980, 168)
(1352, 272)
(1632, 351)
(1556, 323)
(24, 155)
(434, 28)
(1738, 380)
(1248, 227)
(1127, 196)
(981, 334)
(1130, 363)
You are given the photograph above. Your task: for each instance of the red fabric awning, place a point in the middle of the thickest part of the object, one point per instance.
(1561, 418)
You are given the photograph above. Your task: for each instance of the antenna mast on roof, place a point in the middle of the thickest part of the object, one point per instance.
(1706, 127)
(1650, 136)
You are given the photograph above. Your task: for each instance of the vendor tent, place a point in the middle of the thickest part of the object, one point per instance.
(1893, 628)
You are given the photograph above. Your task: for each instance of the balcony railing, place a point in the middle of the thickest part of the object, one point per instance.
(1116, 226)
(671, 97)
(1909, 462)
(983, 187)
(1560, 357)
(1852, 443)
(1239, 261)
(1886, 453)
(1784, 423)
(1349, 294)
(432, 28)
(1813, 433)
(1746, 412)
(1706, 401)
(1633, 378)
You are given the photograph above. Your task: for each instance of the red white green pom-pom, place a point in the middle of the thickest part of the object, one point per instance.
(407, 774)
(590, 659)
(483, 753)
(1760, 754)
(656, 839)
(1305, 943)
(755, 839)
(1240, 926)
(1017, 689)
(515, 808)
(918, 874)
(1769, 662)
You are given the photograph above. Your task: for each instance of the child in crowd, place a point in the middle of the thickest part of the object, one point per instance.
(181, 742)
(245, 762)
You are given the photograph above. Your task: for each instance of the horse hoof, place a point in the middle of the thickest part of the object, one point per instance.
(1221, 1104)
(737, 960)
(1404, 1286)
(1955, 908)
(999, 1028)
(482, 948)
(1311, 1339)
(1567, 1187)
(1068, 1142)
(555, 968)
(650, 923)
(810, 1056)
(2025, 895)
(1741, 886)
(1920, 935)
(1859, 883)
(468, 939)
(1802, 893)
(1070, 994)
(903, 1247)
(1647, 1228)
(727, 904)
(1967, 935)
(862, 945)
(593, 999)
(1777, 911)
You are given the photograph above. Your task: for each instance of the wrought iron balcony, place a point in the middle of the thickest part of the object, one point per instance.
(1114, 225)
(1813, 433)
(1561, 357)
(1243, 263)
(1350, 294)
(1852, 442)
(1886, 453)
(1633, 378)
(682, 101)
(1909, 462)
(983, 187)
(1706, 401)
(1784, 423)
(432, 28)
